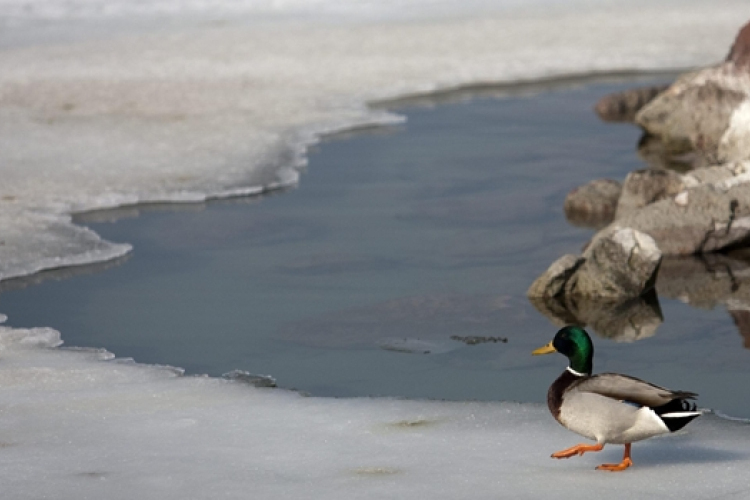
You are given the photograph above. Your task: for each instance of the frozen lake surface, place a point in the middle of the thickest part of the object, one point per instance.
(397, 243)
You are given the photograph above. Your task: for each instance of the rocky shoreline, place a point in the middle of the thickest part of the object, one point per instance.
(693, 199)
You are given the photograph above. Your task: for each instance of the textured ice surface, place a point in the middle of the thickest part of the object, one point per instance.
(107, 103)
(80, 425)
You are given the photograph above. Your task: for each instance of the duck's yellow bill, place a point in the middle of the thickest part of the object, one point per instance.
(544, 350)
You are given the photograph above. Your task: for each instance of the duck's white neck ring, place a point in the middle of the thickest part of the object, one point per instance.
(577, 374)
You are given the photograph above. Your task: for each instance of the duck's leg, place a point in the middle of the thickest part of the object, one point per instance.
(626, 462)
(578, 449)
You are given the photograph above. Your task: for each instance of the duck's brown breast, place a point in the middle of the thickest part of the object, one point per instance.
(557, 390)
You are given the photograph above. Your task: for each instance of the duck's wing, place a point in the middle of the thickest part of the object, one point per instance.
(626, 388)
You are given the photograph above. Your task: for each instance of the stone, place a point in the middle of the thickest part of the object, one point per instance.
(593, 204)
(653, 152)
(552, 282)
(708, 218)
(643, 187)
(715, 173)
(623, 106)
(694, 113)
(706, 111)
(619, 263)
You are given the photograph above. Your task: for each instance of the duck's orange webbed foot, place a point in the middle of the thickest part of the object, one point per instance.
(578, 449)
(626, 462)
(616, 467)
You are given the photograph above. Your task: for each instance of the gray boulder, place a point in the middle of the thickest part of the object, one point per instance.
(593, 204)
(619, 263)
(702, 219)
(552, 282)
(647, 186)
(654, 154)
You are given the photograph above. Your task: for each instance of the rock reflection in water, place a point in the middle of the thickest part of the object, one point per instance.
(705, 282)
(625, 321)
(709, 281)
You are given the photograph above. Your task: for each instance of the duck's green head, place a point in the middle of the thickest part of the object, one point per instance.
(575, 343)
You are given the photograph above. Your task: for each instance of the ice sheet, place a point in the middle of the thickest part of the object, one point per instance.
(112, 103)
(80, 425)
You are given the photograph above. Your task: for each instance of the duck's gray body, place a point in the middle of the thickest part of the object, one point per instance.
(617, 409)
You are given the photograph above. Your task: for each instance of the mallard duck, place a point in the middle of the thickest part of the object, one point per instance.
(609, 407)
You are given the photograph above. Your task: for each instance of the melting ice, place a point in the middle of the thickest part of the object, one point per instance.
(113, 103)
(108, 103)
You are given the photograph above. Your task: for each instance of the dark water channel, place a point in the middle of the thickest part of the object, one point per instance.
(400, 248)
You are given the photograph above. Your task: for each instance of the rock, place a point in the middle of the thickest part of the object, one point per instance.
(623, 106)
(707, 111)
(699, 127)
(653, 152)
(707, 218)
(593, 204)
(644, 187)
(552, 282)
(610, 287)
(619, 263)
(739, 54)
(694, 113)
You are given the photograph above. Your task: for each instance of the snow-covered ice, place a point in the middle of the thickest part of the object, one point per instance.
(79, 425)
(108, 103)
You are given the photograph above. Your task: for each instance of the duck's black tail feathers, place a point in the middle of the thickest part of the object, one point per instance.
(677, 413)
